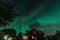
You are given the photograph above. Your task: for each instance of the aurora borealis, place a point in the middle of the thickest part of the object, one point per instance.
(45, 12)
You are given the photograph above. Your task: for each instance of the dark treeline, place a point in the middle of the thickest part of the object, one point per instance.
(29, 35)
(7, 13)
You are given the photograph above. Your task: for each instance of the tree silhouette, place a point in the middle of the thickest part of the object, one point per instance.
(11, 32)
(6, 13)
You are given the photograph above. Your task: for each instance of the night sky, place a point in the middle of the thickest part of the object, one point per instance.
(43, 13)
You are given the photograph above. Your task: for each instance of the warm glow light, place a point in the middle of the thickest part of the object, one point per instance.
(10, 38)
(25, 37)
(32, 37)
(5, 37)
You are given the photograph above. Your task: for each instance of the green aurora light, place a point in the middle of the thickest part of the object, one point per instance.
(45, 14)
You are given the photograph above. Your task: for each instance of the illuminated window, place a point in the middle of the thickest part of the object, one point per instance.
(5, 37)
(10, 38)
(32, 37)
(25, 37)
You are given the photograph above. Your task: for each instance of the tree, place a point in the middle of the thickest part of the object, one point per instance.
(10, 32)
(6, 13)
(20, 36)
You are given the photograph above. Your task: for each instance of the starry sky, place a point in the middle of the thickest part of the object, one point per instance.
(45, 14)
